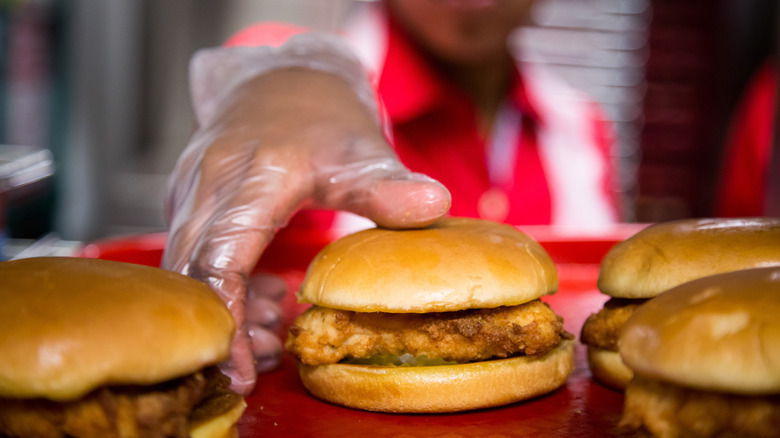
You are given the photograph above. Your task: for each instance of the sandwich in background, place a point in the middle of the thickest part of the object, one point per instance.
(95, 348)
(663, 256)
(706, 358)
(440, 319)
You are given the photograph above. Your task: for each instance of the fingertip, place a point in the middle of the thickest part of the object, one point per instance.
(269, 286)
(266, 349)
(263, 312)
(240, 366)
(410, 203)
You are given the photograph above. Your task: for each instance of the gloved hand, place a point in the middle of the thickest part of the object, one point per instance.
(276, 142)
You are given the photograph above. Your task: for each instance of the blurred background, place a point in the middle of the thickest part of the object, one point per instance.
(94, 96)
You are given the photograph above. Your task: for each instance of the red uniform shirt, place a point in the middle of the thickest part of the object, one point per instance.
(743, 184)
(435, 132)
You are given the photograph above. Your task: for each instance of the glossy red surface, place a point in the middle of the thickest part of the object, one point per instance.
(281, 407)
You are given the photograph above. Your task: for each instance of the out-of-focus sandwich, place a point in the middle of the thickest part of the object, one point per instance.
(663, 256)
(706, 358)
(94, 348)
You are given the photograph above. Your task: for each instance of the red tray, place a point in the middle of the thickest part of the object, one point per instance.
(281, 407)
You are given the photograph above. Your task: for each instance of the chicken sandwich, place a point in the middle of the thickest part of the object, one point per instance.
(94, 348)
(441, 319)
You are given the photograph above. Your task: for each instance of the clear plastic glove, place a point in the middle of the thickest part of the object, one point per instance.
(274, 143)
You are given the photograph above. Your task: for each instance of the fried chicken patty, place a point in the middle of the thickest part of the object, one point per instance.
(602, 329)
(164, 410)
(322, 336)
(668, 410)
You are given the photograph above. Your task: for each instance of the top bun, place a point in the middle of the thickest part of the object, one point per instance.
(719, 333)
(667, 254)
(71, 325)
(454, 264)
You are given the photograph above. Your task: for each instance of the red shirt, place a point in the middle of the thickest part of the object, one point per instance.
(435, 132)
(743, 184)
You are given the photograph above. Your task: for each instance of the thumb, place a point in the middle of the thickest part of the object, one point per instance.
(399, 200)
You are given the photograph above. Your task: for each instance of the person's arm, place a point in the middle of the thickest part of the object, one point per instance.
(280, 129)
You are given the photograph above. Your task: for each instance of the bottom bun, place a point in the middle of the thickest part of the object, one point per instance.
(442, 388)
(608, 368)
(220, 426)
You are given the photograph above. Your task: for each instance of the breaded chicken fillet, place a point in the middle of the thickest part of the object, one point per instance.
(602, 329)
(323, 335)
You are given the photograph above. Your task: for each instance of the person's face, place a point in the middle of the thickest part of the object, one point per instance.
(461, 31)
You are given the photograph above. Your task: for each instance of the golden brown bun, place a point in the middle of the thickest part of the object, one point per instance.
(667, 254)
(719, 333)
(443, 388)
(454, 264)
(71, 325)
(608, 368)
